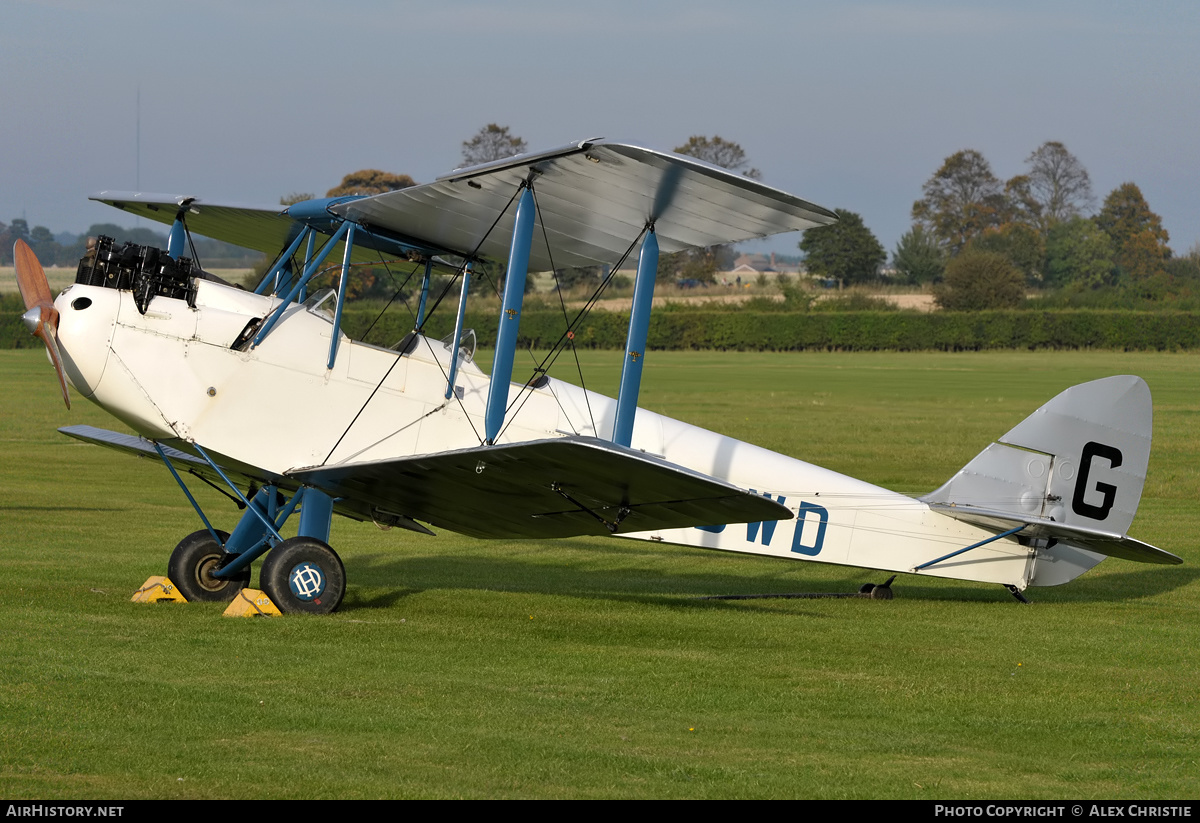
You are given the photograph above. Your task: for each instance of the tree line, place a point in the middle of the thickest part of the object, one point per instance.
(978, 241)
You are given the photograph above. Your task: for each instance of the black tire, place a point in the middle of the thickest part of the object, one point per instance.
(192, 563)
(303, 575)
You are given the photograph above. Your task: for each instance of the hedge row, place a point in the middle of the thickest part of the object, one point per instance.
(778, 331)
(841, 331)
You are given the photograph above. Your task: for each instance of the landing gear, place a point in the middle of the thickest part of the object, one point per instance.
(191, 566)
(1015, 592)
(304, 575)
(300, 574)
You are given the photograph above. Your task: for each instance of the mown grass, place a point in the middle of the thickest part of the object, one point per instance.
(587, 668)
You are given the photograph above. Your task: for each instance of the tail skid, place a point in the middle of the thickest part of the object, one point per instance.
(1072, 472)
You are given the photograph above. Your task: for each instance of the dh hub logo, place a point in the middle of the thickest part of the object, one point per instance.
(306, 581)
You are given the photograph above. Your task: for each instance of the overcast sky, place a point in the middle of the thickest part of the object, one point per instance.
(849, 104)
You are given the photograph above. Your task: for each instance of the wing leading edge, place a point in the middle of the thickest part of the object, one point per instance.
(562, 487)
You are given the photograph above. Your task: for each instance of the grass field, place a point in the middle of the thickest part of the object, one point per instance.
(587, 668)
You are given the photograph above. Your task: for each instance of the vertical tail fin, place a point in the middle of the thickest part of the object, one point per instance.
(1069, 476)
(1079, 460)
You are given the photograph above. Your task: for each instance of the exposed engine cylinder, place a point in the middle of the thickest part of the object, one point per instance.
(146, 271)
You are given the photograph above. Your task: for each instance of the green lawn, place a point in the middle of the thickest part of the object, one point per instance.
(588, 668)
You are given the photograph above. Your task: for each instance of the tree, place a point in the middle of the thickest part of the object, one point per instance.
(300, 197)
(1138, 236)
(42, 241)
(1079, 253)
(977, 280)
(1021, 243)
(918, 257)
(1021, 206)
(1185, 269)
(1059, 183)
(492, 142)
(719, 152)
(961, 200)
(846, 250)
(371, 181)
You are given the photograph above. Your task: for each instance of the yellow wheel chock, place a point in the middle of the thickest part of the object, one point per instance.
(158, 589)
(252, 603)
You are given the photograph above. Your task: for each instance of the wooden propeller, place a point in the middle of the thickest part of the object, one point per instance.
(40, 316)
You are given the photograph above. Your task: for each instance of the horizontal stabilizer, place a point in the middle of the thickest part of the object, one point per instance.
(594, 198)
(1106, 543)
(543, 489)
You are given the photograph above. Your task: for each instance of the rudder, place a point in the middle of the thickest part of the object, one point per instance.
(1079, 460)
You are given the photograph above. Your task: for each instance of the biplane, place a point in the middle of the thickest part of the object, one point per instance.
(264, 395)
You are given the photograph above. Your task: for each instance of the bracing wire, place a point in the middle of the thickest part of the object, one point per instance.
(568, 335)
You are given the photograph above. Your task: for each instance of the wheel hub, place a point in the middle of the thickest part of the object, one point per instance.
(204, 573)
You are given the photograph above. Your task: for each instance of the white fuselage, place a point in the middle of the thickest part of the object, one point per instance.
(171, 374)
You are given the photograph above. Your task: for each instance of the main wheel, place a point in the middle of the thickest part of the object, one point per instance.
(302, 574)
(191, 566)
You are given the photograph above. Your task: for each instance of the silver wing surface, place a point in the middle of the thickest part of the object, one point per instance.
(593, 197)
(560, 487)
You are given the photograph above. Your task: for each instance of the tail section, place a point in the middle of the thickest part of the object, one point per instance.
(1072, 472)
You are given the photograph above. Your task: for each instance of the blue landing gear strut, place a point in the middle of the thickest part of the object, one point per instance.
(300, 574)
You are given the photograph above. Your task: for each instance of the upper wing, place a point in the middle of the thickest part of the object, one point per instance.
(593, 200)
(560, 487)
(593, 197)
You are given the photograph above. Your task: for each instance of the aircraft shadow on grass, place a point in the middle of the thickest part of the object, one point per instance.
(649, 584)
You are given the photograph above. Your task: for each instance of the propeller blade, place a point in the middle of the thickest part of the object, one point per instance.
(41, 317)
(31, 277)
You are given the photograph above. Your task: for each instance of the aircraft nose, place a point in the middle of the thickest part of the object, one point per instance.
(87, 315)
